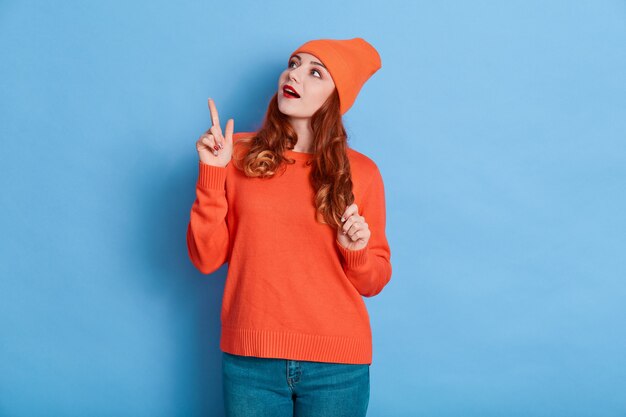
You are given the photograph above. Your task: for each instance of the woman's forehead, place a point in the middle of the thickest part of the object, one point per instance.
(306, 55)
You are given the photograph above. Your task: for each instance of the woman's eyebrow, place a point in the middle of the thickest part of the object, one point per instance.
(312, 62)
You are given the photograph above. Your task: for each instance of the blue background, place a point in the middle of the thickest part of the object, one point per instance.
(499, 128)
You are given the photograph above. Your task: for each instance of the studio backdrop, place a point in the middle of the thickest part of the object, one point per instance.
(499, 129)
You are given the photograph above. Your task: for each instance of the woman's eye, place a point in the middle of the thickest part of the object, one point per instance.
(314, 70)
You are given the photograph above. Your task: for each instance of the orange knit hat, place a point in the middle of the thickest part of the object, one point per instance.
(351, 62)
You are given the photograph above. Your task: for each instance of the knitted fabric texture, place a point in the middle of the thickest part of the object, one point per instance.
(292, 290)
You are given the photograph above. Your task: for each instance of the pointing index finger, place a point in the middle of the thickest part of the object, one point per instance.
(214, 116)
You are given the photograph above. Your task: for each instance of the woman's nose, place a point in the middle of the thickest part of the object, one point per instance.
(294, 75)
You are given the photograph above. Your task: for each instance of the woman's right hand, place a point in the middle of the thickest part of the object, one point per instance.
(213, 147)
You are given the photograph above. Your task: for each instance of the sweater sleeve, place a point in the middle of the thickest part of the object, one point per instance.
(207, 231)
(369, 268)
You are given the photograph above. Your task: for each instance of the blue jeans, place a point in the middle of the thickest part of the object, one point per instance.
(255, 387)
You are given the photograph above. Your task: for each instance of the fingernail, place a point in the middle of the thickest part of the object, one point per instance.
(343, 220)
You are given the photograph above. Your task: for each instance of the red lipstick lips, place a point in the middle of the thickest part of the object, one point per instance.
(290, 92)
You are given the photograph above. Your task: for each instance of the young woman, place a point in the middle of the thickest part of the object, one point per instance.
(300, 219)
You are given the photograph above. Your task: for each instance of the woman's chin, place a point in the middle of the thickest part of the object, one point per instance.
(286, 109)
(290, 111)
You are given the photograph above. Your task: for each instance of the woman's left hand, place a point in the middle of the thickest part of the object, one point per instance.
(355, 232)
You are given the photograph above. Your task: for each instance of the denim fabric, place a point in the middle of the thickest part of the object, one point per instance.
(255, 387)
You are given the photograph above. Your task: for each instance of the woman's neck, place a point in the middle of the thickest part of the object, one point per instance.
(305, 135)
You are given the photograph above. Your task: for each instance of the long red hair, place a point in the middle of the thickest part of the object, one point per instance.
(330, 176)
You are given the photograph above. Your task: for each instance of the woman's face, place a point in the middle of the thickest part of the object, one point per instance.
(307, 75)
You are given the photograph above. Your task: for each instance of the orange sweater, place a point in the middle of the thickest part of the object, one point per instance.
(292, 290)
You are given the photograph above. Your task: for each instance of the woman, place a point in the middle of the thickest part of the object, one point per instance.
(300, 219)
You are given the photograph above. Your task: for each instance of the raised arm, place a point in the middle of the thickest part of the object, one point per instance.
(207, 231)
